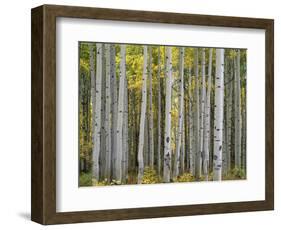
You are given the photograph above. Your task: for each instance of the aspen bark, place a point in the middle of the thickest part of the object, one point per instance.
(114, 111)
(97, 125)
(182, 152)
(107, 113)
(218, 114)
(125, 136)
(207, 119)
(151, 135)
(197, 119)
(93, 97)
(159, 113)
(120, 150)
(202, 110)
(186, 150)
(102, 159)
(93, 83)
(142, 118)
(180, 116)
(167, 139)
(191, 125)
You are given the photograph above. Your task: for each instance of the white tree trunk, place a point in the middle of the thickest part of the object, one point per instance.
(114, 111)
(107, 113)
(180, 117)
(202, 110)
(218, 114)
(103, 102)
(186, 150)
(93, 84)
(142, 118)
(182, 156)
(93, 98)
(97, 125)
(191, 125)
(167, 140)
(237, 103)
(146, 140)
(125, 136)
(197, 120)
(207, 119)
(151, 136)
(159, 113)
(122, 77)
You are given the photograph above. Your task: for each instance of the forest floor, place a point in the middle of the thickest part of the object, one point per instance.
(151, 177)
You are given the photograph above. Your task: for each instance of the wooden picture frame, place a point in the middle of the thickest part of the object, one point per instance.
(43, 189)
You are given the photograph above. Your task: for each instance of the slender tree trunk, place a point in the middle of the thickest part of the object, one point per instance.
(120, 150)
(202, 110)
(159, 113)
(185, 126)
(197, 120)
(151, 135)
(125, 136)
(218, 119)
(146, 140)
(237, 102)
(107, 113)
(142, 118)
(89, 120)
(191, 125)
(207, 119)
(167, 139)
(114, 111)
(180, 117)
(103, 138)
(224, 130)
(97, 125)
(93, 93)
(182, 153)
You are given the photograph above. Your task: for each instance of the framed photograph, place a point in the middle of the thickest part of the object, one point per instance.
(139, 114)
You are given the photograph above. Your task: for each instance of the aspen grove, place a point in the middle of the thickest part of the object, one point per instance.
(159, 114)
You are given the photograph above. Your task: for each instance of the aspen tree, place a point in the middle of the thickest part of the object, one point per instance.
(97, 125)
(119, 146)
(207, 118)
(180, 116)
(218, 115)
(142, 118)
(167, 139)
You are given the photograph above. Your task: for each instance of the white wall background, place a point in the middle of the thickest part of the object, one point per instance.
(15, 113)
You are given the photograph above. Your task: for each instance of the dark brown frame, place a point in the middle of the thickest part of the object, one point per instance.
(43, 170)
